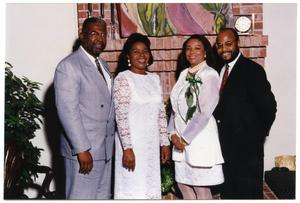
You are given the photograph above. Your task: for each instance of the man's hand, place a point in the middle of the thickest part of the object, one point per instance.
(129, 159)
(85, 160)
(165, 154)
(179, 145)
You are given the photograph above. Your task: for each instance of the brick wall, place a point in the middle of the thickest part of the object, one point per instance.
(166, 49)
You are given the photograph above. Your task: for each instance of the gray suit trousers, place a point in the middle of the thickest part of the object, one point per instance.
(95, 185)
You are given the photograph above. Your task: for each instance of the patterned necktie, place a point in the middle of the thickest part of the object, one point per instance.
(225, 76)
(100, 69)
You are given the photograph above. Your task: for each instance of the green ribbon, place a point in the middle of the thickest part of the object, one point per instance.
(191, 93)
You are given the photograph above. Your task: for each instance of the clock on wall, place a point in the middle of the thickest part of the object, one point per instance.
(244, 24)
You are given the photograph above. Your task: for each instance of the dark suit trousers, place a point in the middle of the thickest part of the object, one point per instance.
(243, 180)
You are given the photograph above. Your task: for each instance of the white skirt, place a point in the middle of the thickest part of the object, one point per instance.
(198, 176)
(200, 164)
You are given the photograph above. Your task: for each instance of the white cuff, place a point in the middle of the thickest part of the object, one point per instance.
(172, 133)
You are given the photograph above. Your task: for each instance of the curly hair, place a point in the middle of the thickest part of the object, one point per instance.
(123, 57)
(182, 62)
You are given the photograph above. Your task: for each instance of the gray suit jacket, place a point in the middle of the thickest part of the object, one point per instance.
(85, 108)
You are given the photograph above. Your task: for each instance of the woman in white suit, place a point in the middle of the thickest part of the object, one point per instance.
(192, 127)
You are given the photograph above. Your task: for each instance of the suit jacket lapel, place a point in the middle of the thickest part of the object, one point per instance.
(233, 74)
(93, 73)
(106, 67)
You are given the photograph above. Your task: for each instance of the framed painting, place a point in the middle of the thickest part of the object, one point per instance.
(167, 19)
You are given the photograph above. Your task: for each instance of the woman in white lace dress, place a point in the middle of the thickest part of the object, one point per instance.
(192, 127)
(141, 121)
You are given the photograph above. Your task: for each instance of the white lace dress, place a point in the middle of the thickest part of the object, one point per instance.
(142, 124)
(205, 167)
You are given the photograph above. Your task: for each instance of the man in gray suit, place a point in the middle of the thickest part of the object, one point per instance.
(84, 103)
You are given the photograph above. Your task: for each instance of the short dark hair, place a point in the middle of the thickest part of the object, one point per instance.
(182, 62)
(88, 21)
(234, 32)
(123, 57)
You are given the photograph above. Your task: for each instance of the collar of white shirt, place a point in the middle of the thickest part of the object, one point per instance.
(231, 64)
(92, 59)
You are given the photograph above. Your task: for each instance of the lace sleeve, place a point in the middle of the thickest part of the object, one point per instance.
(162, 124)
(121, 92)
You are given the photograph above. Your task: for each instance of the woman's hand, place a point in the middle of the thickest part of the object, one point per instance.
(165, 154)
(129, 159)
(177, 142)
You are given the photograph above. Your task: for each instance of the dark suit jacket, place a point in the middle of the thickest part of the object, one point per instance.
(245, 112)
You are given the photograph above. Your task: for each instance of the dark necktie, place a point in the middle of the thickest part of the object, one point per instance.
(100, 69)
(225, 76)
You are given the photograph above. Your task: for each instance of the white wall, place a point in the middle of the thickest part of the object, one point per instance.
(280, 24)
(38, 36)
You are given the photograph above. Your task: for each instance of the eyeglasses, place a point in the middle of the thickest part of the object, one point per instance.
(97, 34)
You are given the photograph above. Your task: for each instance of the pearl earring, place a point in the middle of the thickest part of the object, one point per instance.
(129, 64)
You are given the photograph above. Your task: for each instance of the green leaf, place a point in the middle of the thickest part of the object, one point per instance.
(190, 113)
(220, 21)
(23, 112)
(190, 100)
(208, 6)
(212, 6)
(188, 92)
(154, 20)
(167, 178)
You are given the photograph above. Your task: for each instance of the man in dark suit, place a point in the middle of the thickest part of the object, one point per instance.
(85, 107)
(244, 114)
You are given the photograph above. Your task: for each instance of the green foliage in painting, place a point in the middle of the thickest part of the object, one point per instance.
(217, 9)
(154, 20)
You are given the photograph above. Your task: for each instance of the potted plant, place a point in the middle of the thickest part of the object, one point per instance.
(22, 117)
(167, 178)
